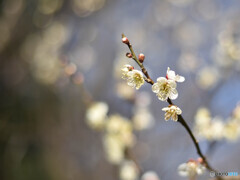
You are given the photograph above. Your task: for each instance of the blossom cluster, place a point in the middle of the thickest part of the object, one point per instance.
(119, 136)
(216, 128)
(165, 87)
(192, 168)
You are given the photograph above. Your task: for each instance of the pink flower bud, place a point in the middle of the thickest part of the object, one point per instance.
(130, 68)
(129, 55)
(125, 40)
(191, 160)
(200, 160)
(141, 57)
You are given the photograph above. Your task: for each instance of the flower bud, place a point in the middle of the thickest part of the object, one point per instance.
(125, 40)
(200, 160)
(130, 68)
(141, 57)
(129, 55)
(78, 78)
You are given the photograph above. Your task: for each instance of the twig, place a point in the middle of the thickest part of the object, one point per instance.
(180, 118)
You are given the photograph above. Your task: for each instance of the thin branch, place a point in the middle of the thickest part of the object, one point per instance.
(181, 119)
(134, 57)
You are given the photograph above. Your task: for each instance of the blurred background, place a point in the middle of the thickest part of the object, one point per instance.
(57, 55)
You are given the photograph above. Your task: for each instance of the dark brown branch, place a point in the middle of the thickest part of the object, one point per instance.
(180, 118)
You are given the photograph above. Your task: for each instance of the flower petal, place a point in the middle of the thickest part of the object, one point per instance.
(167, 116)
(162, 96)
(155, 88)
(173, 94)
(172, 84)
(179, 78)
(171, 74)
(175, 117)
(178, 110)
(165, 109)
(161, 80)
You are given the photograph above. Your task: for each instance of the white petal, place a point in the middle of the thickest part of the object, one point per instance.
(179, 78)
(150, 175)
(162, 97)
(178, 110)
(137, 71)
(130, 73)
(182, 169)
(200, 169)
(155, 88)
(175, 117)
(171, 74)
(167, 116)
(172, 83)
(165, 109)
(161, 80)
(173, 94)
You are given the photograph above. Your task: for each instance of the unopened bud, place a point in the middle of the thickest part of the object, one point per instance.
(129, 55)
(192, 160)
(200, 160)
(130, 68)
(141, 57)
(78, 78)
(125, 40)
(70, 69)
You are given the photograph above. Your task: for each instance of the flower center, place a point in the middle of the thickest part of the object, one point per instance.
(165, 88)
(137, 77)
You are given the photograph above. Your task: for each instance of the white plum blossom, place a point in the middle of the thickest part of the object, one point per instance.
(118, 136)
(96, 115)
(125, 70)
(114, 148)
(172, 111)
(217, 128)
(128, 171)
(165, 89)
(122, 128)
(231, 130)
(150, 175)
(142, 119)
(191, 169)
(171, 75)
(135, 78)
(214, 128)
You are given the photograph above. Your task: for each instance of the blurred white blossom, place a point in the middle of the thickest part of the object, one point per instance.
(172, 111)
(207, 77)
(202, 117)
(231, 130)
(216, 128)
(128, 171)
(96, 115)
(150, 175)
(114, 148)
(124, 91)
(119, 135)
(191, 169)
(121, 127)
(142, 119)
(236, 112)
